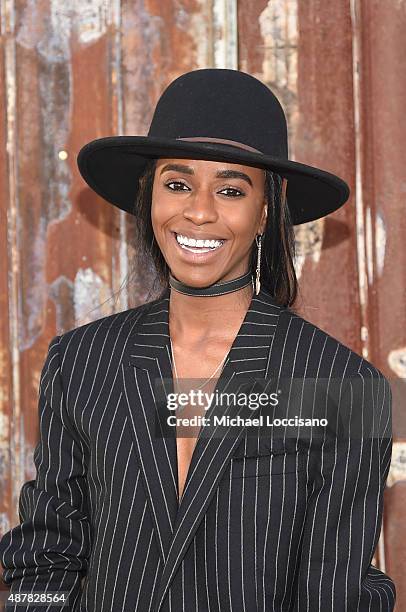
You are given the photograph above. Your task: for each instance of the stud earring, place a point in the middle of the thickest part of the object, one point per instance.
(258, 240)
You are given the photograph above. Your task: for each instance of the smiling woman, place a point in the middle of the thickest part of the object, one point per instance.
(237, 196)
(234, 513)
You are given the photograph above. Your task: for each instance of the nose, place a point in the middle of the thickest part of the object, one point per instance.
(200, 208)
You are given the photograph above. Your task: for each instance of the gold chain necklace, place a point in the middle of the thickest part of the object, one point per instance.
(206, 381)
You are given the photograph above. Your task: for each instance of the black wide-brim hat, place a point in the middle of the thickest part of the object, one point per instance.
(213, 114)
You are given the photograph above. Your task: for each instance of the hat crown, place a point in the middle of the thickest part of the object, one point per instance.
(224, 104)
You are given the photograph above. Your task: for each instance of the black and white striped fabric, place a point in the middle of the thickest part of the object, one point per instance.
(285, 522)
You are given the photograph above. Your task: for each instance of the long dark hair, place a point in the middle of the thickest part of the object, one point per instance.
(278, 274)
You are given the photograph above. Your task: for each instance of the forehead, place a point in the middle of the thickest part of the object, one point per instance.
(208, 167)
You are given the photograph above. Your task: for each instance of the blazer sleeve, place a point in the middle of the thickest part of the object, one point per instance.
(344, 512)
(50, 548)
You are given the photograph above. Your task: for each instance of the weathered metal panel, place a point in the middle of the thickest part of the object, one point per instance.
(49, 237)
(380, 28)
(295, 48)
(5, 354)
(73, 71)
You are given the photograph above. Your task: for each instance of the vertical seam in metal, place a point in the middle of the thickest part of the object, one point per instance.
(117, 84)
(8, 23)
(359, 195)
(232, 34)
(362, 246)
(226, 55)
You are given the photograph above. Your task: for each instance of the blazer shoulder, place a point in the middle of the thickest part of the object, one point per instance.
(357, 364)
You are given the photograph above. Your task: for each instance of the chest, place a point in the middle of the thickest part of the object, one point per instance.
(197, 363)
(189, 416)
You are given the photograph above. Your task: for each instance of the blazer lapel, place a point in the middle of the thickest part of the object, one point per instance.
(147, 377)
(147, 371)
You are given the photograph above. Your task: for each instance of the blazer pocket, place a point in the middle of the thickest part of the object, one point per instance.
(267, 464)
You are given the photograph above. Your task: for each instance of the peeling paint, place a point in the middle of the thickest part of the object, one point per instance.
(309, 242)
(32, 318)
(119, 261)
(48, 33)
(29, 468)
(299, 263)
(199, 26)
(87, 19)
(32, 25)
(11, 473)
(381, 550)
(143, 33)
(181, 19)
(90, 19)
(17, 457)
(61, 294)
(50, 36)
(279, 32)
(5, 524)
(397, 472)
(225, 34)
(4, 462)
(4, 364)
(369, 260)
(7, 17)
(380, 242)
(362, 259)
(4, 429)
(90, 293)
(397, 362)
(55, 87)
(309, 238)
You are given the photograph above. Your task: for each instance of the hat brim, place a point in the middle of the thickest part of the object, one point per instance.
(112, 167)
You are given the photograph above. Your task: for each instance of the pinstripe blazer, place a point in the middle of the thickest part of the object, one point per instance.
(285, 522)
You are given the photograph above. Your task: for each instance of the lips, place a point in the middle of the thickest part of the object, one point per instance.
(198, 254)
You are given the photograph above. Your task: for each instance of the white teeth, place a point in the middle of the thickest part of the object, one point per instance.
(192, 242)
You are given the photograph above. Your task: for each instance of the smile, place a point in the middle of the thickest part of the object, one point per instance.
(197, 255)
(194, 245)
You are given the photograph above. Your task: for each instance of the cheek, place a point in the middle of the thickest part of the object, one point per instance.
(158, 213)
(155, 219)
(162, 209)
(243, 222)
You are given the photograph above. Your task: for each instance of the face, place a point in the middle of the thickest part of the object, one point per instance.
(207, 200)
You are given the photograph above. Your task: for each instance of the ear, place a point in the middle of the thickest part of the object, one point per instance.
(264, 215)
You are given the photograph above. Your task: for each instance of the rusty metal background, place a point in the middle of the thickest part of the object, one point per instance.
(73, 71)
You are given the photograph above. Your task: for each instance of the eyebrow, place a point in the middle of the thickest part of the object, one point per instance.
(219, 173)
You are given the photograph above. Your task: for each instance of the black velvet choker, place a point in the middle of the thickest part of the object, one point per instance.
(216, 289)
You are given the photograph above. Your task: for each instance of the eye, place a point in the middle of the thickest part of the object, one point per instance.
(175, 183)
(237, 192)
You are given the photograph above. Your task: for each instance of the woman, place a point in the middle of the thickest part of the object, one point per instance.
(158, 512)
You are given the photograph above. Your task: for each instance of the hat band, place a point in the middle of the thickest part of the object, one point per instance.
(234, 143)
